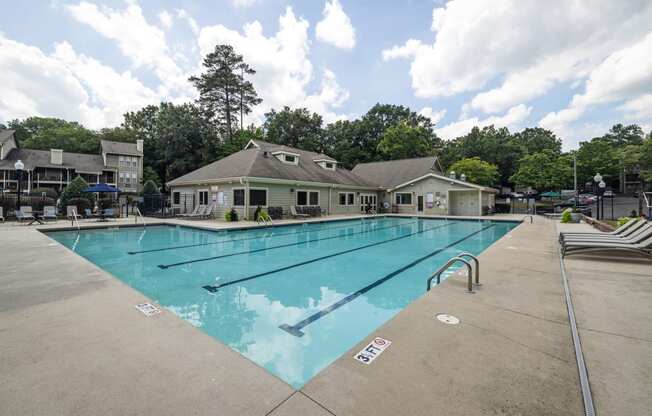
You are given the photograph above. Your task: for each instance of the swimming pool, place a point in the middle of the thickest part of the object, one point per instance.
(290, 298)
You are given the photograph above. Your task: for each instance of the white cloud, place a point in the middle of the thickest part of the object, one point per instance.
(434, 116)
(335, 27)
(513, 119)
(512, 41)
(625, 75)
(144, 44)
(284, 70)
(243, 3)
(184, 15)
(66, 85)
(166, 19)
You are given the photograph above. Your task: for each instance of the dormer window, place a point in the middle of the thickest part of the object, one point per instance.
(287, 157)
(327, 164)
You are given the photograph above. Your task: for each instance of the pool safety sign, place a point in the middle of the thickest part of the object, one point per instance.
(372, 350)
(148, 309)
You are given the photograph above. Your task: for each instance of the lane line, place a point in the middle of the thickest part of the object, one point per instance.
(214, 288)
(296, 328)
(237, 253)
(298, 232)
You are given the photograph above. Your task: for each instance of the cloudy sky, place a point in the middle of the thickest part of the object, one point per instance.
(575, 67)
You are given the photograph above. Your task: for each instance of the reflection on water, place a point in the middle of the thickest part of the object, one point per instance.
(246, 316)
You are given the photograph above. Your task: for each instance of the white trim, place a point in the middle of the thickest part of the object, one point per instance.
(251, 142)
(296, 198)
(259, 188)
(444, 178)
(346, 199)
(233, 197)
(403, 193)
(326, 160)
(285, 152)
(208, 199)
(237, 179)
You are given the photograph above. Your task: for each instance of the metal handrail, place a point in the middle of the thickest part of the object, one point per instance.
(138, 213)
(477, 265)
(449, 263)
(74, 219)
(530, 217)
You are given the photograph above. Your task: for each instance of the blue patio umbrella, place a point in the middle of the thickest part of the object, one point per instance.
(101, 187)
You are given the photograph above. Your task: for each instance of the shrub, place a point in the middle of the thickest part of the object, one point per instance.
(150, 188)
(264, 216)
(231, 215)
(623, 220)
(566, 215)
(74, 191)
(80, 203)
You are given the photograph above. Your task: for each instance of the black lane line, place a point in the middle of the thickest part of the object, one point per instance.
(248, 238)
(214, 288)
(296, 328)
(237, 253)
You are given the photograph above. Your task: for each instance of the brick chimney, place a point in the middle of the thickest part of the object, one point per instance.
(139, 145)
(56, 156)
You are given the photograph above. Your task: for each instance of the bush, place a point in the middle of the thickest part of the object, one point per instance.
(264, 216)
(231, 215)
(150, 188)
(624, 220)
(566, 215)
(81, 204)
(74, 191)
(49, 192)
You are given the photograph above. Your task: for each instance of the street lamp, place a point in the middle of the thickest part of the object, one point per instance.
(598, 180)
(601, 187)
(19, 166)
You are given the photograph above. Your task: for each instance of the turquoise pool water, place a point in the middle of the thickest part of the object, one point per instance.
(292, 298)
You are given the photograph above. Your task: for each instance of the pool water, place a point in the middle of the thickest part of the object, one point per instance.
(291, 298)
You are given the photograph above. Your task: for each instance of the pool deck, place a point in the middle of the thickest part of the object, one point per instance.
(72, 342)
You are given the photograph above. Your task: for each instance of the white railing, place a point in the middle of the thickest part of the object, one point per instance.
(139, 214)
(647, 202)
(75, 219)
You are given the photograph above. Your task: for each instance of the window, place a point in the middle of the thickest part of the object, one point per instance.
(290, 159)
(176, 198)
(203, 197)
(238, 197)
(404, 198)
(307, 198)
(258, 197)
(329, 165)
(347, 198)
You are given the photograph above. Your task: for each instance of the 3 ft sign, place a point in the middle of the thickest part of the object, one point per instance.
(372, 350)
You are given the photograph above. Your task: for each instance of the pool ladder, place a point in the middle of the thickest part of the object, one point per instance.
(139, 214)
(469, 270)
(530, 217)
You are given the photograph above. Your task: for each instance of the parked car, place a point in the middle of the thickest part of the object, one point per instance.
(608, 194)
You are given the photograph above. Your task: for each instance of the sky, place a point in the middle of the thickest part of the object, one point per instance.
(574, 67)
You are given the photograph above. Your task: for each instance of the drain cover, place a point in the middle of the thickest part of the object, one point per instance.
(447, 319)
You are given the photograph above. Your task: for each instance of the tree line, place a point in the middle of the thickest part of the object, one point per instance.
(182, 137)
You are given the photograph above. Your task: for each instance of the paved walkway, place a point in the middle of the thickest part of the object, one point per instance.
(71, 343)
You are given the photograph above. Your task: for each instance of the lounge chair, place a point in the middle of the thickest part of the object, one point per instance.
(625, 229)
(89, 214)
(295, 214)
(49, 213)
(2, 217)
(200, 213)
(24, 214)
(636, 236)
(209, 212)
(194, 212)
(106, 214)
(576, 247)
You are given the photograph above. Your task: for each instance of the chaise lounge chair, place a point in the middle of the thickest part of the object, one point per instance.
(193, 213)
(625, 229)
(638, 235)
(208, 213)
(24, 214)
(2, 217)
(576, 247)
(295, 214)
(49, 213)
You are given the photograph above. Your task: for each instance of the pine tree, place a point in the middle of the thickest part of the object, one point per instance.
(223, 90)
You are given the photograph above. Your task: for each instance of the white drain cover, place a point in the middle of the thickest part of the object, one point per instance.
(448, 319)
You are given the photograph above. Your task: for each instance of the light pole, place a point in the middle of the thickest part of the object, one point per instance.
(19, 166)
(601, 187)
(598, 179)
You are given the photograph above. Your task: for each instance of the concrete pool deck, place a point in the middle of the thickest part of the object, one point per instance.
(72, 343)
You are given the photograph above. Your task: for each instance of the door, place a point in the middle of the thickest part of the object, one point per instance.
(368, 202)
(420, 204)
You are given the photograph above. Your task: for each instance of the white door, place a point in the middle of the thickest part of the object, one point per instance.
(368, 202)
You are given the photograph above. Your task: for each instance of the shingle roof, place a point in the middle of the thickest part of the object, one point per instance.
(258, 162)
(5, 135)
(120, 148)
(41, 158)
(391, 173)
